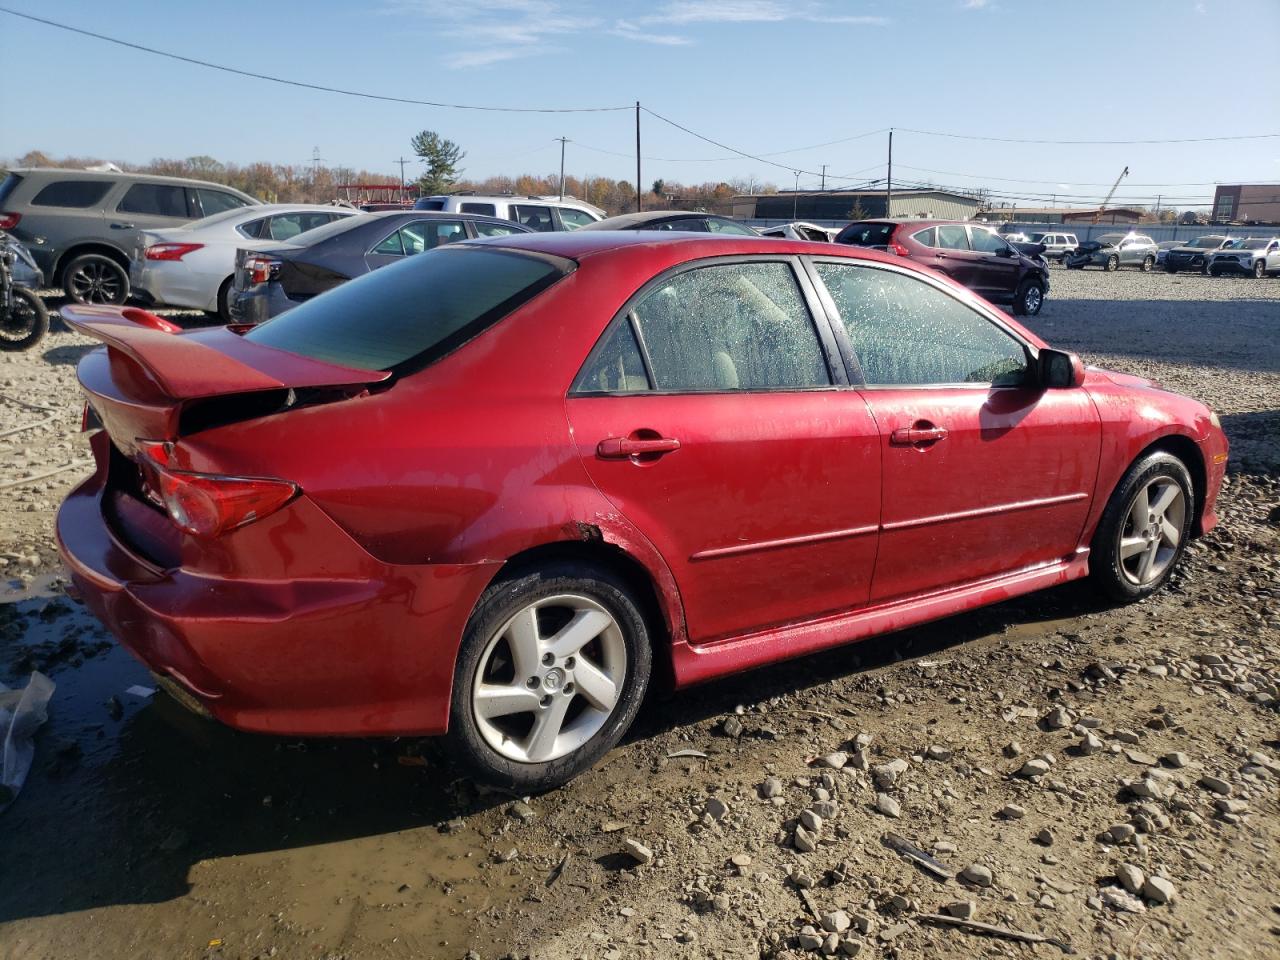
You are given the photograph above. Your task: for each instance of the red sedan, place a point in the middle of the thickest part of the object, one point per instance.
(481, 492)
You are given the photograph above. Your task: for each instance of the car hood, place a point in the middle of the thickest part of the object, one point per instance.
(1093, 246)
(1119, 379)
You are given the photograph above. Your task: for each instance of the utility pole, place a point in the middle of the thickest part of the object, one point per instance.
(637, 156)
(563, 141)
(402, 161)
(888, 180)
(795, 195)
(824, 178)
(1159, 197)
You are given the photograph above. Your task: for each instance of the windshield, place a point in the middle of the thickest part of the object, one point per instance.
(1252, 244)
(1111, 239)
(1206, 243)
(425, 306)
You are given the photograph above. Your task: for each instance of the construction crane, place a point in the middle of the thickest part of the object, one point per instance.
(1110, 193)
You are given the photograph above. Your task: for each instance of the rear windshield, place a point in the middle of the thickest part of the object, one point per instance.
(867, 234)
(426, 204)
(408, 314)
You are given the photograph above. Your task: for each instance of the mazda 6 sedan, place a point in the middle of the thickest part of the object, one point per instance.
(487, 491)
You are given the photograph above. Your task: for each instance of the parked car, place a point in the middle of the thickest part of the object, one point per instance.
(487, 491)
(272, 278)
(1056, 245)
(540, 214)
(969, 253)
(680, 220)
(1162, 251)
(799, 230)
(1258, 257)
(1111, 251)
(193, 266)
(1193, 255)
(81, 226)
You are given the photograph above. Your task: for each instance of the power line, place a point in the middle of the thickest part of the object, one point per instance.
(735, 156)
(967, 136)
(298, 83)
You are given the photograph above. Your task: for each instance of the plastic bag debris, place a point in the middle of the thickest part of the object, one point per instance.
(21, 713)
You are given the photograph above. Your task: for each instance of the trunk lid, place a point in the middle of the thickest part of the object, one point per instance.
(153, 384)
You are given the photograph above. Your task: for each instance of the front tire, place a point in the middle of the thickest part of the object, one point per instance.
(95, 278)
(1260, 269)
(1113, 263)
(1144, 528)
(1148, 263)
(552, 669)
(26, 323)
(1029, 299)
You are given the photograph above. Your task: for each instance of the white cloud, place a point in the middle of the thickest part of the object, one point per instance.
(975, 4)
(629, 31)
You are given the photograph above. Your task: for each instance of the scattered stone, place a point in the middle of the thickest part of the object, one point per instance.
(612, 826)
(964, 909)
(977, 874)
(1012, 749)
(771, 788)
(740, 860)
(1231, 805)
(732, 727)
(835, 760)
(850, 947)
(804, 841)
(1176, 760)
(1122, 832)
(887, 774)
(829, 945)
(1159, 890)
(1127, 736)
(936, 752)
(1089, 745)
(521, 811)
(1058, 719)
(891, 933)
(809, 938)
(1012, 811)
(637, 851)
(1045, 838)
(1216, 785)
(811, 821)
(716, 809)
(1120, 900)
(1137, 756)
(1130, 877)
(1034, 768)
(888, 806)
(836, 921)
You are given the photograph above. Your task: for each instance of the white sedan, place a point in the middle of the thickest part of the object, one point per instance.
(192, 266)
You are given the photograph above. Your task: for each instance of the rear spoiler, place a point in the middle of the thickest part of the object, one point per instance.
(204, 363)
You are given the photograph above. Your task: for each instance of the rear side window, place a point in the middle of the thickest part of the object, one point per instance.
(425, 307)
(253, 228)
(484, 209)
(218, 201)
(429, 205)
(736, 326)
(156, 199)
(485, 229)
(615, 365)
(286, 226)
(71, 193)
(8, 185)
(534, 217)
(926, 238)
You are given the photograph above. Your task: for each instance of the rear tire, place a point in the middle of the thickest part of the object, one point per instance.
(224, 307)
(1148, 263)
(532, 705)
(1029, 299)
(1136, 547)
(27, 322)
(1113, 263)
(95, 278)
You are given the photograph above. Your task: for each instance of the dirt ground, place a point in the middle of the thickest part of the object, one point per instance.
(1051, 748)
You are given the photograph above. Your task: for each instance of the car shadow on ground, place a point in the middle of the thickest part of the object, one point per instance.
(127, 794)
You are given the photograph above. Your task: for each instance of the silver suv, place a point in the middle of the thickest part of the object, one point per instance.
(82, 225)
(541, 214)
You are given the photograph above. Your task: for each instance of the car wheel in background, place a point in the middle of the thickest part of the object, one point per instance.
(1260, 269)
(1029, 299)
(551, 672)
(1204, 269)
(27, 322)
(224, 306)
(1144, 528)
(1113, 263)
(94, 278)
(1148, 263)
(1215, 272)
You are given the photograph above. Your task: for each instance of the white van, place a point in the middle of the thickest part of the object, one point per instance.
(542, 214)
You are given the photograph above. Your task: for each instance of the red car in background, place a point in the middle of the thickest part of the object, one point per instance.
(480, 492)
(969, 253)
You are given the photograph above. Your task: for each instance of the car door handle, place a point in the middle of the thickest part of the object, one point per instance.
(922, 433)
(122, 226)
(622, 448)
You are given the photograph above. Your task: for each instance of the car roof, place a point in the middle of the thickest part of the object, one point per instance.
(624, 221)
(67, 174)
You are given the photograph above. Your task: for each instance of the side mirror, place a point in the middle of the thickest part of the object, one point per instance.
(1006, 251)
(1058, 369)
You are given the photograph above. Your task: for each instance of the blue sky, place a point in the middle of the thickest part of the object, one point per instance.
(759, 75)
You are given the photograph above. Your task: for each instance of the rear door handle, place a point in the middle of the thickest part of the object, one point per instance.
(922, 434)
(621, 448)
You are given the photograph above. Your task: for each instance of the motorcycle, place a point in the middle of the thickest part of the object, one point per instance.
(24, 320)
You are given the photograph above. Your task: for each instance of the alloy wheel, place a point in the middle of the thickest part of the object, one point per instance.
(1032, 299)
(1152, 531)
(549, 679)
(95, 282)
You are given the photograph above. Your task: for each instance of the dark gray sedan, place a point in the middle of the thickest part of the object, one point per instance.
(271, 278)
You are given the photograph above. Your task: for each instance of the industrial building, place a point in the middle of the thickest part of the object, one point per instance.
(1247, 203)
(855, 205)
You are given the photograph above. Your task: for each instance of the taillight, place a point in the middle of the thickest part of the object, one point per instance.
(170, 251)
(899, 249)
(261, 269)
(209, 504)
(9, 220)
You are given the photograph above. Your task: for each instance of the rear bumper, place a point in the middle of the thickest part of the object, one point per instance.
(170, 283)
(259, 303)
(367, 654)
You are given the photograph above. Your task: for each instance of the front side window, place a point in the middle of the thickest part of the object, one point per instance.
(534, 217)
(421, 235)
(907, 332)
(155, 199)
(573, 219)
(985, 241)
(736, 326)
(71, 193)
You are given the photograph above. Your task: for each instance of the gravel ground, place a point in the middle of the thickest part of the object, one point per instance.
(1103, 777)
